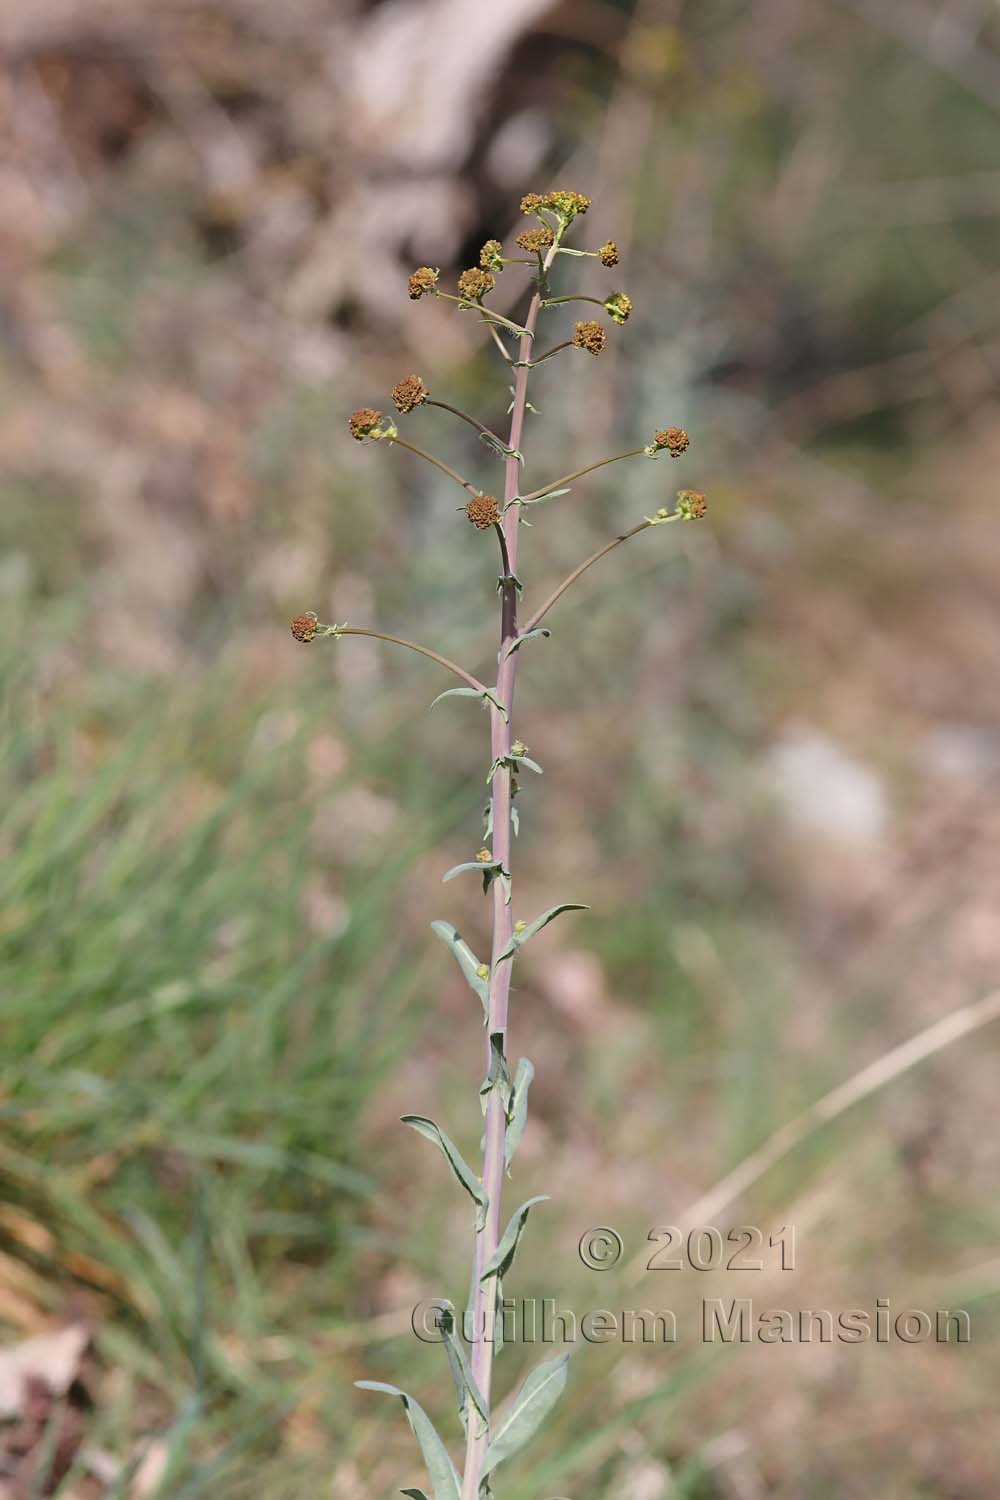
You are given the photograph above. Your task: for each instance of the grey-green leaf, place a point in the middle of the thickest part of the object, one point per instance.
(498, 1076)
(444, 1478)
(456, 693)
(517, 1116)
(461, 1372)
(502, 1258)
(515, 645)
(470, 864)
(528, 1410)
(455, 1160)
(467, 961)
(520, 938)
(414, 1494)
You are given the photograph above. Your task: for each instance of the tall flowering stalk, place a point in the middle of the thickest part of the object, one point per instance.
(491, 1437)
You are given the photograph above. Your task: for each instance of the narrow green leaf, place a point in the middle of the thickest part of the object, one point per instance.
(520, 938)
(528, 1410)
(455, 1160)
(549, 495)
(502, 1258)
(517, 1114)
(467, 961)
(485, 697)
(518, 642)
(444, 1478)
(471, 864)
(414, 1494)
(456, 693)
(532, 765)
(498, 1076)
(461, 1372)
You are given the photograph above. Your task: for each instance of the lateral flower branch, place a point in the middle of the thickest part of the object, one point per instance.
(492, 1437)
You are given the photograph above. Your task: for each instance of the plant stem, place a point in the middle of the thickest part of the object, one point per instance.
(437, 462)
(487, 312)
(498, 341)
(589, 563)
(442, 661)
(457, 411)
(567, 478)
(485, 1297)
(528, 364)
(573, 297)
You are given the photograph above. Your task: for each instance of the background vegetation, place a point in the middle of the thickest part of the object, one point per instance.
(771, 742)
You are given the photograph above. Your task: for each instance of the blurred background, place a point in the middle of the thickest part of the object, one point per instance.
(771, 741)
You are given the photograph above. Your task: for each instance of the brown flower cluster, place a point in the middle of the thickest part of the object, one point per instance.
(474, 283)
(590, 336)
(483, 511)
(608, 253)
(535, 240)
(303, 627)
(692, 504)
(424, 279)
(674, 439)
(408, 393)
(363, 422)
(491, 256)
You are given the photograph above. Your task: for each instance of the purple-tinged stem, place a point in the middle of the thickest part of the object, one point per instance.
(484, 1297)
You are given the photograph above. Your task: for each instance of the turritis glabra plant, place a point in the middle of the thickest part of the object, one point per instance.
(473, 1342)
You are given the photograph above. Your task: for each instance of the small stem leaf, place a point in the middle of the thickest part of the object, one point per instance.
(532, 765)
(505, 882)
(461, 1372)
(528, 1410)
(515, 820)
(485, 697)
(516, 645)
(455, 1160)
(499, 447)
(498, 1076)
(414, 1494)
(517, 1113)
(444, 1478)
(502, 1259)
(520, 938)
(467, 961)
(471, 864)
(537, 499)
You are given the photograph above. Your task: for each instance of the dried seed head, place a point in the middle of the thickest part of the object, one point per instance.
(409, 393)
(608, 253)
(532, 202)
(363, 422)
(536, 240)
(590, 336)
(303, 627)
(674, 439)
(519, 748)
(691, 504)
(424, 279)
(485, 857)
(491, 256)
(618, 307)
(483, 511)
(475, 283)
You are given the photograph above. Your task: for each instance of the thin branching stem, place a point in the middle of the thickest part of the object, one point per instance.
(494, 335)
(488, 312)
(529, 364)
(457, 411)
(442, 661)
(577, 474)
(574, 297)
(437, 462)
(568, 582)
